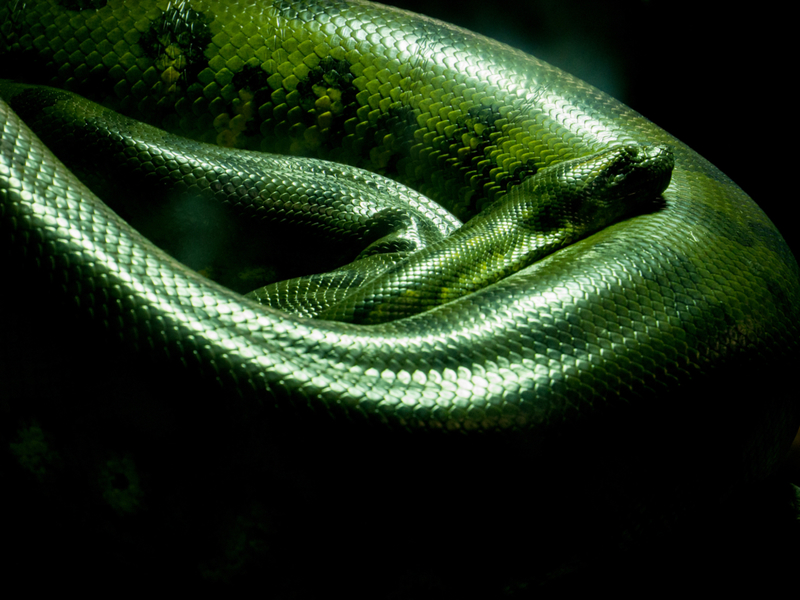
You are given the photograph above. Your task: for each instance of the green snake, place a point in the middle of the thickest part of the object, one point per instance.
(663, 305)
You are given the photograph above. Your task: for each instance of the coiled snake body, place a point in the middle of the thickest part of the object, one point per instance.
(590, 348)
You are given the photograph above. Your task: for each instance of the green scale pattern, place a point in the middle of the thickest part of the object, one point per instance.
(292, 79)
(671, 334)
(651, 301)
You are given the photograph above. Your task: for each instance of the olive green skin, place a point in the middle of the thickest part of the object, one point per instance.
(695, 304)
(552, 209)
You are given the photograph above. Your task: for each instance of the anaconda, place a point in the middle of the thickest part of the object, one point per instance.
(579, 353)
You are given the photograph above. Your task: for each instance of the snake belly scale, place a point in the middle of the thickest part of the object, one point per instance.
(652, 308)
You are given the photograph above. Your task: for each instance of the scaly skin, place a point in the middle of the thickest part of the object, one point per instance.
(552, 209)
(696, 298)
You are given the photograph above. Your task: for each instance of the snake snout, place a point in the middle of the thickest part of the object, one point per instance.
(655, 163)
(640, 172)
(658, 156)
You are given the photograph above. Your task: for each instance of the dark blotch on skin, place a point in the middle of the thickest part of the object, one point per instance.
(83, 4)
(777, 290)
(481, 124)
(251, 78)
(329, 74)
(481, 127)
(553, 217)
(401, 122)
(768, 236)
(718, 223)
(335, 74)
(182, 27)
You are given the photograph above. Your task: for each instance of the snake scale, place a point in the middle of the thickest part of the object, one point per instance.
(585, 352)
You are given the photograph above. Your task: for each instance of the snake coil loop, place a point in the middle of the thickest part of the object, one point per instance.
(665, 331)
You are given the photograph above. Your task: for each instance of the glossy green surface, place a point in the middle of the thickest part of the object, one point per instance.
(659, 310)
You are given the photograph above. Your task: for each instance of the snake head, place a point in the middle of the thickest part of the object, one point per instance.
(624, 175)
(602, 188)
(586, 194)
